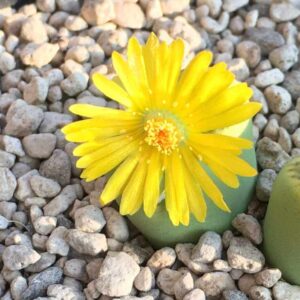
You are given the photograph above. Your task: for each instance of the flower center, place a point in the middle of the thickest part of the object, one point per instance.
(162, 134)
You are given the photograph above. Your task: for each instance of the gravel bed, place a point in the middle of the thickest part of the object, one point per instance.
(56, 242)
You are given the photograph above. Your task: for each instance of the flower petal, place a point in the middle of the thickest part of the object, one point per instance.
(111, 90)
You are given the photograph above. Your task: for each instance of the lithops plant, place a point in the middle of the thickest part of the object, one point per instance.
(282, 222)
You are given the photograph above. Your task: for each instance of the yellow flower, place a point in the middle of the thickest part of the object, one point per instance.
(166, 132)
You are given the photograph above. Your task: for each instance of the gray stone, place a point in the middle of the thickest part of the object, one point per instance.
(46, 260)
(145, 280)
(74, 83)
(195, 294)
(284, 57)
(53, 121)
(279, 99)
(292, 83)
(234, 295)
(44, 187)
(75, 268)
(24, 189)
(56, 244)
(12, 145)
(33, 30)
(44, 224)
(87, 243)
(3, 223)
(233, 5)
(117, 274)
(17, 287)
(166, 280)
(17, 257)
(162, 258)
(39, 145)
(269, 77)
(264, 184)
(61, 292)
(36, 91)
(7, 160)
(282, 12)
(259, 293)
(268, 277)
(183, 285)
(8, 184)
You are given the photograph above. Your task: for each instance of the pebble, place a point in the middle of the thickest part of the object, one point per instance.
(244, 256)
(239, 68)
(22, 119)
(97, 12)
(33, 30)
(249, 227)
(75, 268)
(39, 283)
(3, 223)
(86, 243)
(56, 244)
(38, 55)
(183, 285)
(7, 160)
(279, 99)
(260, 293)
(17, 287)
(46, 260)
(116, 225)
(208, 249)
(57, 167)
(12, 145)
(250, 52)
(266, 38)
(290, 121)
(292, 83)
(44, 224)
(8, 184)
(46, 5)
(269, 77)
(282, 12)
(61, 202)
(44, 187)
(54, 121)
(213, 284)
(283, 290)
(166, 280)
(24, 189)
(17, 257)
(162, 258)
(234, 295)
(117, 274)
(195, 294)
(268, 277)
(264, 184)
(59, 291)
(7, 209)
(174, 6)
(145, 280)
(285, 140)
(89, 219)
(296, 138)
(7, 62)
(74, 83)
(36, 90)
(284, 57)
(75, 23)
(233, 5)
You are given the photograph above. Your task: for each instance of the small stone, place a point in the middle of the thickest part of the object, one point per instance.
(250, 52)
(183, 285)
(86, 243)
(145, 280)
(292, 83)
(117, 274)
(79, 54)
(196, 294)
(7, 160)
(239, 68)
(270, 77)
(70, 6)
(17, 257)
(162, 258)
(33, 30)
(290, 121)
(38, 55)
(170, 7)
(44, 187)
(17, 287)
(244, 256)
(24, 189)
(46, 5)
(264, 184)
(93, 268)
(61, 202)
(56, 244)
(268, 277)
(279, 99)
(59, 291)
(268, 39)
(208, 248)
(3, 223)
(74, 83)
(44, 224)
(270, 155)
(166, 280)
(57, 167)
(75, 23)
(124, 11)
(260, 293)
(249, 227)
(284, 291)
(284, 57)
(36, 90)
(39, 283)
(296, 138)
(234, 295)
(97, 12)
(116, 225)
(43, 263)
(89, 219)
(22, 119)
(75, 268)
(12, 145)
(221, 265)
(8, 184)
(213, 284)
(282, 12)
(53, 121)
(285, 140)
(246, 282)
(233, 5)
(7, 62)
(7, 209)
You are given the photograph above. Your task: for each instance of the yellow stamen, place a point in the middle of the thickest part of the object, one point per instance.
(162, 134)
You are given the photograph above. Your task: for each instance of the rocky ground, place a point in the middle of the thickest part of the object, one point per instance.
(56, 240)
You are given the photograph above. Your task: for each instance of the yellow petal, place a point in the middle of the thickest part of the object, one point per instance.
(106, 164)
(152, 184)
(132, 197)
(118, 180)
(230, 117)
(111, 90)
(219, 141)
(192, 75)
(228, 99)
(85, 148)
(206, 183)
(196, 200)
